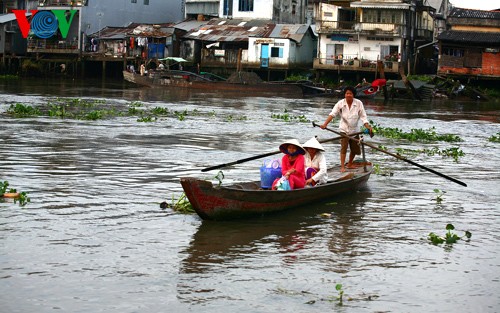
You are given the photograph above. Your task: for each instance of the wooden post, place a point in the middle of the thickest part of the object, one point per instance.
(103, 70)
(380, 68)
(408, 84)
(238, 64)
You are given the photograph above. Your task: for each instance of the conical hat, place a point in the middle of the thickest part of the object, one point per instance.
(294, 142)
(313, 143)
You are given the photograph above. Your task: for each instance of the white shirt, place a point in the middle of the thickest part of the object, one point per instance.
(319, 162)
(349, 117)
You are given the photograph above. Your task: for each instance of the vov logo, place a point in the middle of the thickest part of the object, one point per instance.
(44, 24)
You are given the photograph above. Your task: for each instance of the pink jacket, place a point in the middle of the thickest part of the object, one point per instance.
(297, 179)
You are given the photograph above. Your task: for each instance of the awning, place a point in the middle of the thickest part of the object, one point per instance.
(380, 5)
(173, 59)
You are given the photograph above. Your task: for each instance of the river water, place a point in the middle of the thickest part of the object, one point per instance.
(94, 238)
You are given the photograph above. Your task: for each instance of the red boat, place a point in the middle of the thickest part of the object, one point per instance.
(246, 199)
(370, 90)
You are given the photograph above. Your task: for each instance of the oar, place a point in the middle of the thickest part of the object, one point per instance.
(264, 155)
(396, 156)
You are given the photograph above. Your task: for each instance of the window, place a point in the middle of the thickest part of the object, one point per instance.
(146, 2)
(245, 5)
(276, 52)
(459, 53)
(134, 1)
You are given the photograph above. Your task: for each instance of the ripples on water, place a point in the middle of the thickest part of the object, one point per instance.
(94, 239)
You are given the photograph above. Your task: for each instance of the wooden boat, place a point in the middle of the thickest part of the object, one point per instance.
(370, 90)
(207, 82)
(246, 199)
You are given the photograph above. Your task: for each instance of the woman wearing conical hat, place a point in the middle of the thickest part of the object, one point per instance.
(292, 163)
(315, 163)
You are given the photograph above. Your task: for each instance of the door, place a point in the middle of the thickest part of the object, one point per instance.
(264, 55)
(339, 53)
(330, 54)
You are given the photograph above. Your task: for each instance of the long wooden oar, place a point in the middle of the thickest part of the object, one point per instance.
(396, 156)
(265, 155)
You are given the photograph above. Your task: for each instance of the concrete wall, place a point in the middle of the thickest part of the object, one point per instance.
(119, 13)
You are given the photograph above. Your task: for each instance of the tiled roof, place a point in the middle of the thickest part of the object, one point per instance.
(470, 37)
(468, 13)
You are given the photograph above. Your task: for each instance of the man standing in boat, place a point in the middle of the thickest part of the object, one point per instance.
(350, 111)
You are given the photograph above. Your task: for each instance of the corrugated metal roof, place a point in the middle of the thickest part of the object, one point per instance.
(468, 13)
(291, 31)
(135, 30)
(4, 18)
(9, 17)
(380, 5)
(232, 30)
(470, 37)
(190, 25)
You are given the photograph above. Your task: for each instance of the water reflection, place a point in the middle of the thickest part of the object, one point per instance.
(218, 249)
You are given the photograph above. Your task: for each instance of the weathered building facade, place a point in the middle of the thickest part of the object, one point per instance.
(471, 45)
(278, 11)
(257, 45)
(354, 35)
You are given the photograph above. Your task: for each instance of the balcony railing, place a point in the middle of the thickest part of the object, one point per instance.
(356, 27)
(354, 65)
(53, 46)
(72, 3)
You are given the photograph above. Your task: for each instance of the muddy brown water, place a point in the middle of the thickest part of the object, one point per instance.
(94, 239)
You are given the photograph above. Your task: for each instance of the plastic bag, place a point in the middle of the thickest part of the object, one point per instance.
(269, 171)
(281, 183)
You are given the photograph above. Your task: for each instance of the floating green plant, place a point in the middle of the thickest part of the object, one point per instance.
(495, 138)
(421, 135)
(23, 198)
(439, 195)
(22, 110)
(231, 118)
(136, 104)
(159, 111)
(449, 238)
(182, 205)
(3, 187)
(181, 115)
(135, 111)
(340, 291)
(287, 117)
(377, 170)
(9, 77)
(219, 177)
(147, 119)
(453, 152)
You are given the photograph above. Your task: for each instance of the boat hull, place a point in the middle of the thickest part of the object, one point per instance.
(190, 80)
(248, 199)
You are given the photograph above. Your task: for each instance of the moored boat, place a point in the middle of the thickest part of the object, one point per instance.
(370, 90)
(190, 80)
(246, 199)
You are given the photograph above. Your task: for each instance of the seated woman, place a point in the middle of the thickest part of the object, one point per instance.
(315, 163)
(292, 163)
